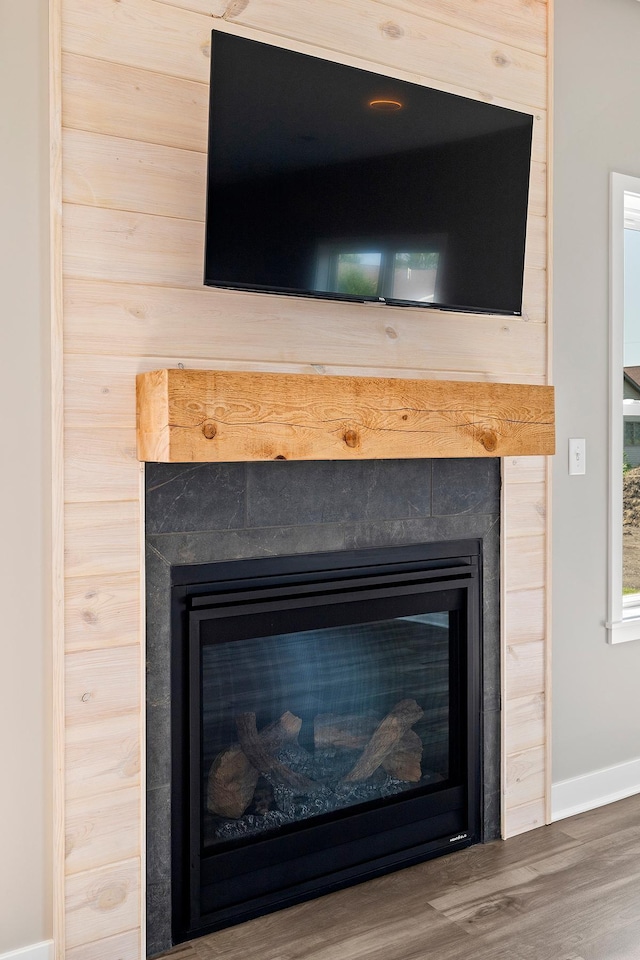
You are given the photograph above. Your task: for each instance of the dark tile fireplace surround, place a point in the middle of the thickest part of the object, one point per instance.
(211, 512)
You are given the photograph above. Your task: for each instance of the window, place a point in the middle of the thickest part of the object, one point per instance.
(631, 439)
(391, 273)
(624, 432)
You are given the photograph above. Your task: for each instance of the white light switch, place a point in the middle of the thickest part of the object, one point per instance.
(577, 452)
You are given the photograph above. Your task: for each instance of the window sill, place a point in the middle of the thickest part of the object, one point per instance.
(624, 631)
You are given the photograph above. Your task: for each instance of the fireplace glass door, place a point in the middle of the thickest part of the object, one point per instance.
(328, 727)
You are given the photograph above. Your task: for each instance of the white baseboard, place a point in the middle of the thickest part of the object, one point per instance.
(592, 790)
(37, 951)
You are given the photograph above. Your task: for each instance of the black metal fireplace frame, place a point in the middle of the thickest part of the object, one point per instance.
(404, 830)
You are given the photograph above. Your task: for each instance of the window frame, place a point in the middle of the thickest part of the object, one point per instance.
(623, 614)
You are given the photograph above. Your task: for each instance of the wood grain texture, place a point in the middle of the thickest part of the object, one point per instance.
(426, 47)
(129, 102)
(122, 946)
(100, 463)
(525, 615)
(135, 316)
(525, 505)
(140, 33)
(525, 669)
(534, 296)
(525, 776)
(101, 901)
(522, 24)
(101, 757)
(102, 829)
(525, 562)
(518, 22)
(101, 611)
(536, 247)
(524, 727)
(176, 41)
(101, 538)
(116, 245)
(101, 684)
(529, 816)
(100, 391)
(525, 470)
(210, 8)
(538, 189)
(208, 416)
(119, 174)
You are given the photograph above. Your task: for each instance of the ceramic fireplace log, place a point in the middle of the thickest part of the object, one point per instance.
(233, 778)
(404, 761)
(349, 731)
(232, 783)
(353, 732)
(388, 734)
(260, 753)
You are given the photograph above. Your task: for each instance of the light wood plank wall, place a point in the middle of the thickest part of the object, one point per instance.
(134, 89)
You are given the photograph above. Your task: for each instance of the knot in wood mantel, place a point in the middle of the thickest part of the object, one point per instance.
(488, 439)
(256, 416)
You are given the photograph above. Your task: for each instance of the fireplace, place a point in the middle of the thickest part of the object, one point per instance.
(325, 718)
(324, 646)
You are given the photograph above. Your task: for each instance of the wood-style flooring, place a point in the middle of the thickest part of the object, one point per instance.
(569, 891)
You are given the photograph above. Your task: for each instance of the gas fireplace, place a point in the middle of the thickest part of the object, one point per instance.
(323, 693)
(326, 723)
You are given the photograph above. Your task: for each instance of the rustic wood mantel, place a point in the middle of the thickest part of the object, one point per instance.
(200, 416)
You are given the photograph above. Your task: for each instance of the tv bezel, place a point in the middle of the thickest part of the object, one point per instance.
(313, 294)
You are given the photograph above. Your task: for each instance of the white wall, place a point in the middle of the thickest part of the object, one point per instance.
(596, 687)
(25, 867)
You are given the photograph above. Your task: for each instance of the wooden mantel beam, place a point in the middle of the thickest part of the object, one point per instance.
(199, 416)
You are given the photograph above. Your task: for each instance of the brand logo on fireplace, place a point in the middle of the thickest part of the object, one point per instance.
(459, 836)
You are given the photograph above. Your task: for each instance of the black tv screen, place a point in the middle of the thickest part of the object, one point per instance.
(329, 181)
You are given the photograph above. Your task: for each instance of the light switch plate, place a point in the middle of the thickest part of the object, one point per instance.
(577, 454)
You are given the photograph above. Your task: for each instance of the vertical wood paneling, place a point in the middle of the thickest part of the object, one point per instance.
(132, 88)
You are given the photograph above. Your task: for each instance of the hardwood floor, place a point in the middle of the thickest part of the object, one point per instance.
(569, 891)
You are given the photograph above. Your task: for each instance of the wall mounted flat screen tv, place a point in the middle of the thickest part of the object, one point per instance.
(329, 181)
